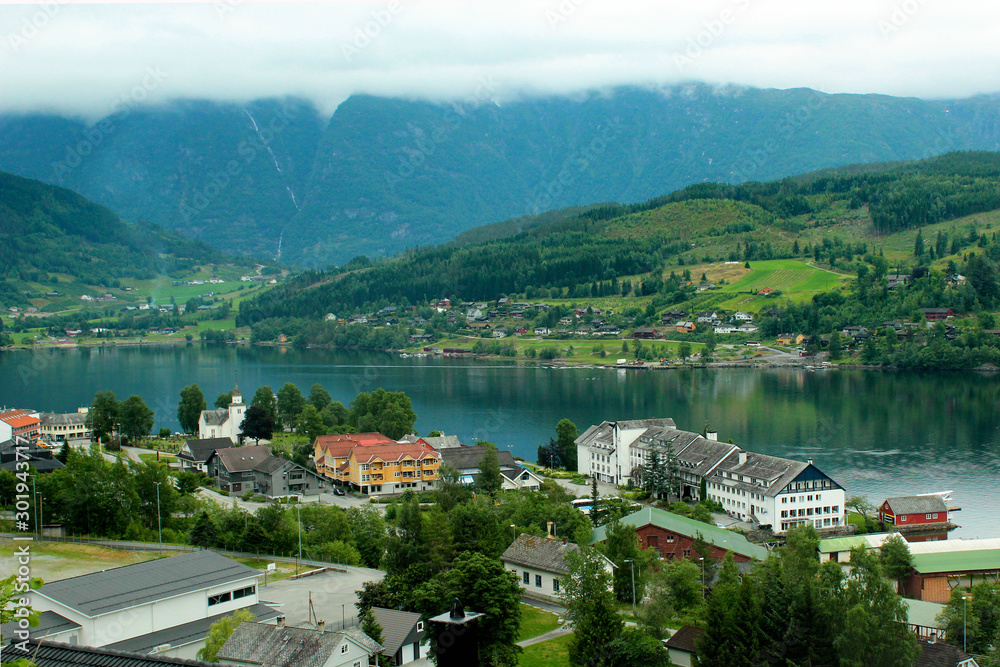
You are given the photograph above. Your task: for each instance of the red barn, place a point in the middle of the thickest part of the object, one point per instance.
(933, 314)
(909, 511)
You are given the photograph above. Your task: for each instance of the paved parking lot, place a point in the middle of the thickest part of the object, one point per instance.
(333, 596)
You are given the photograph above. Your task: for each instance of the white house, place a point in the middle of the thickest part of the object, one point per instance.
(466, 461)
(161, 606)
(726, 329)
(741, 316)
(224, 422)
(404, 637)
(264, 645)
(540, 563)
(748, 328)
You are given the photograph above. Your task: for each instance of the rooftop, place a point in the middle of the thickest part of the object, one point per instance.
(122, 587)
(53, 654)
(396, 627)
(541, 553)
(469, 457)
(243, 459)
(720, 537)
(918, 505)
(685, 639)
(870, 541)
(957, 561)
(271, 646)
(202, 448)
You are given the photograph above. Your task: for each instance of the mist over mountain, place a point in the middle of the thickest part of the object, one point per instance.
(276, 177)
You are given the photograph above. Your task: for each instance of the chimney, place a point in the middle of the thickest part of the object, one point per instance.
(321, 626)
(712, 435)
(809, 461)
(742, 457)
(551, 527)
(281, 621)
(933, 639)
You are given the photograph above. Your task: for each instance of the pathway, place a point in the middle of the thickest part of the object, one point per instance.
(552, 634)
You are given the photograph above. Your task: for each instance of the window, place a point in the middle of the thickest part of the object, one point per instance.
(836, 509)
(809, 498)
(928, 516)
(784, 514)
(935, 515)
(902, 518)
(555, 584)
(670, 538)
(219, 598)
(343, 648)
(527, 578)
(538, 581)
(364, 466)
(420, 626)
(687, 553)
(244, 592)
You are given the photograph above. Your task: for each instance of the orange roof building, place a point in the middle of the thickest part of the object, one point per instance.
(330, 451)
(393, 468)
(21, 423)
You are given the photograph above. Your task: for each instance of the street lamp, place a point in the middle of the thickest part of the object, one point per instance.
(513, 530)
(298, 513)
(632, 564)
(702, 559)
(965, 622)
(159, 521)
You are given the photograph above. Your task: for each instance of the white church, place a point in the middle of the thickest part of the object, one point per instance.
(224, 422)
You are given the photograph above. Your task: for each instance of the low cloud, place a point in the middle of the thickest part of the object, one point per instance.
(83, 59)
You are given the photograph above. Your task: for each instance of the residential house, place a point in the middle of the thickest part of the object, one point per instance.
(767, 291)
(707, 318)
(609, 330)
(748, 328)
(541, 331)
(682, 646)
(392, 468)
(671, 316)
(44, 652)
(194, 454)
(646, 333)
(474, 314)
(480, 326)
(742, 316)
(922, 619)
(164, 606)
(934, 653)
(672, 536)
(500, 333)
(224, 422)
(404, 638)
(19, 449)
(894, 280)
(20, 424)
(705, 286)
(942, 565)
(684, 327)
(467, 459)
(929, 511)
(935, 314)
(68, 426)
(726, 329)
(540, 563)
(233, 467)
(264, 645)
(787, 339)
(956, 279)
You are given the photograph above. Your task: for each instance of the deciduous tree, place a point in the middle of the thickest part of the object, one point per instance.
(136, 418)
(257, 424)
(221, 631)
(189, 409)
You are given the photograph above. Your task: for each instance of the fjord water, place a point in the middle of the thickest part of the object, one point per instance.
(876, 433)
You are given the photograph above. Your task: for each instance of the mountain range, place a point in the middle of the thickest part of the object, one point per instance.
(277, 179)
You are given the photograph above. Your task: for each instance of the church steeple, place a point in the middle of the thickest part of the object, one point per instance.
(236, 397)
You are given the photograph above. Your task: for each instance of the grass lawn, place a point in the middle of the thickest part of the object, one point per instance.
(61, 560)
(282, 570)
(164, 458)
(536, 622)
(546, 654)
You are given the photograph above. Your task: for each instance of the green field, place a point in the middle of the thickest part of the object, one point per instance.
(547, 654)
(536, 622)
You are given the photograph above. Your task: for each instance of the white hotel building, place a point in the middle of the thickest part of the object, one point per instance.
(752, 487)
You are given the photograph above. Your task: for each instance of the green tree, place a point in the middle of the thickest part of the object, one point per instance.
(102, 415)
(319, 397)
(310, 423)
(370, 626)
(621, 545)
(595, 500)
(368, 528)
(682, 579)
(154, 509)
(918, 244)
(566, 435)
(895, 558)
(490, 480)
(684, 351)
(265, 399)
(204, 533)
(223, 400)
(136, 418)
(257, 424)
(387, 412)
(836, 346)
(221, 631)
(189, 409)
(591, 606)
(290, 404)
(972, 616)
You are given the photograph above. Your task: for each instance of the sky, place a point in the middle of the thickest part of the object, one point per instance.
(87, 59)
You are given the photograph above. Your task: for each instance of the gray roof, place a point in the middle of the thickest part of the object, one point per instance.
(541, 553)
(122, 587)
(55, 654)
(186, 633)
(269, 645)
(940, 654)
(63, 419)
(917, 504)
(685, 639)
(396, 627)
(216, 417)
(469, 457)
(49, 623)
(243, 459)
(272, 465)
(775, 471)
(202, 448)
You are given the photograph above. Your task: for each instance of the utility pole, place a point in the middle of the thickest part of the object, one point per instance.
(702, 559)
(298, 513)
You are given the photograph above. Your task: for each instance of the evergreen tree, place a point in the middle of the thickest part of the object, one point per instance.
(594, 501)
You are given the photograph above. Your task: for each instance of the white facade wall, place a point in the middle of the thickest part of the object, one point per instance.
(611, 465)
(6, 432)
(824, 508)
(547, 590)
